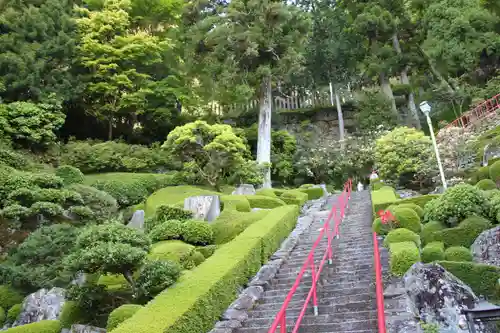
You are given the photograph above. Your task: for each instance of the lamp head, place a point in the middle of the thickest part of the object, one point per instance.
(425, 108)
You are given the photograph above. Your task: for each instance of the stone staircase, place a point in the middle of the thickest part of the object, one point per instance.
(346, 289)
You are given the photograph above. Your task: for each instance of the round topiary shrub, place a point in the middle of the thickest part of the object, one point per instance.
(455, 204)
(379, 227)
(458, 253)
(9, 297)
(44, 326)
(166, 231)
(170, 212)
(419, 210)
(486, 184)
(402, 256)
(70, 174)
(482, 173)
(197, 232)
(433, 251)
(494, 172)
(70, 314)
(157, 276)
(120, 314)
(401, 235)
(407, 218)
(207, 251)
(102, 204)
(428, 230)
(14, 312)
(47, 180)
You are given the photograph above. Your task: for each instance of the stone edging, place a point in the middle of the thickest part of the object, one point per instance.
(237, 312)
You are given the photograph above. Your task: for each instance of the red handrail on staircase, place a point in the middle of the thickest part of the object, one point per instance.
(379, 286)
(479, 112)
(337, 214)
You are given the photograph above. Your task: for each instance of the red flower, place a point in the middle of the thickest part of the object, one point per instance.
(385, 216)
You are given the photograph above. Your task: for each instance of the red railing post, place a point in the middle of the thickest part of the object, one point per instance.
(283, 323)
(313, 287)
(379, 287)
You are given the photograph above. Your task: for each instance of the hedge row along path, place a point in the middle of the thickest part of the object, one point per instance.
(346, 290)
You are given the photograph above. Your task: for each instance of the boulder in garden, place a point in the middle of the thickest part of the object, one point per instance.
(137, 220)
(45, 304)
(204, 207)
(486, 247)
(244, 189)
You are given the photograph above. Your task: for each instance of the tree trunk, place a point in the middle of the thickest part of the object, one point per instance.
(110, 128)
(339, 112)
(130, 279)
(435, 71)
(264, 134)
(404, 79)
(386, 88)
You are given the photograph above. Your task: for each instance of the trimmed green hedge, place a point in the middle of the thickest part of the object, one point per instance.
(9, 297)
(379, 227)
(433, 251)
(486, 185)
(198, 299)
(482, 278)
(295, 197)
(313, 193)
(235, 202)
(261, 201)
(383, 198)
(44, 326)
(419, 210)
(494, 172)
(120, 314)
(402, 256)
(268, 192)
(464, 234)
(407, 218)
(14, 312)
(458, 253)
(428, 230)
(70, 314)
(401, 235)
(230, 224)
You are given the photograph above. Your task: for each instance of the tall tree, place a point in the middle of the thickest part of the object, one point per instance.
(247, 46)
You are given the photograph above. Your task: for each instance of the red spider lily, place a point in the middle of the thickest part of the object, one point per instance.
(386, 216)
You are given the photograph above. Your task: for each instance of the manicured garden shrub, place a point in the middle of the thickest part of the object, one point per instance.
(401, 235)
(70, 314)
(170, 212)
(15, 212)
(126, 193)
(167, 230)
(102, 204)
(173, 195)
(193, 304)
(2, 316)
(464, 234)
(46, 180)
(197, 232)
(407, 218)
(419, 210)
(120, 314)
(82, 213)
(482, 278)
(428, 230)
(207, 251)
(294, 197)
(494, 171)
(486, 184)
(379, 227)
(47, 209)
(455, 204)
(44, 326)
(156, 276)
(377, 185)
(235, 202)
(267, 192)
(458, 253)
(494, 206)
(113, 282)
(482, 173)
(230, 224)
(383, 198)
(313, 193)
(433, 251)
(402, 256)
(175, 250)
(260, 201)
(70, 174)
(14, 312)
(9, 297)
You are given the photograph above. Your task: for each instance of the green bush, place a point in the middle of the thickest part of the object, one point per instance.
(2, 316)
(432, 252)
(46, 180)
(482, 173)
(268, 192)
(230, 224)
(9, 297)
(207, 251)
(15, 212)
(102, 204)
(198, 299)
(44, 326)
(174, 250)
(401, 235)
(260, 201)
(173, 195)
(120, 314)
(383, 198)
(379, 227)
(294, 197)
(402, 256)
(419, 210)
(126, 193)
(71, 314)
(70, 174)
(313, 193)
(377, 185)
(486, 184)
(81, 212)
(494, 172)
(458, 253)
(197, 232)
(170, 212)
(420, 201)
(428, 230)
(47, 209)
(167, 230)
(235, 202)
(407, 218)
(14, 312)
(464, 234)
(482, 278)
(455, 204)
(156, 276)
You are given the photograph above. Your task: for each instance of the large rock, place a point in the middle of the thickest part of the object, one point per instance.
(486, 247)
(436, 296)
(42, 305)
(204, 207)
(137, 220)
(86, 329)
(244, 189)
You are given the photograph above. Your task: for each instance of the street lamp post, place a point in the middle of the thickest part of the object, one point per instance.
(426, 110)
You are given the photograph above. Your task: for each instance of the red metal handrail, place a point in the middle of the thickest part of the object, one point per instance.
(479, 112)
(379, 287)
(280, 319)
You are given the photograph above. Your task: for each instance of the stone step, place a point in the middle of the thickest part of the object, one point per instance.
(348, 327)
(327, 291)
(332, 271)
(325, 278)
(310, 319)
(275, 302)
